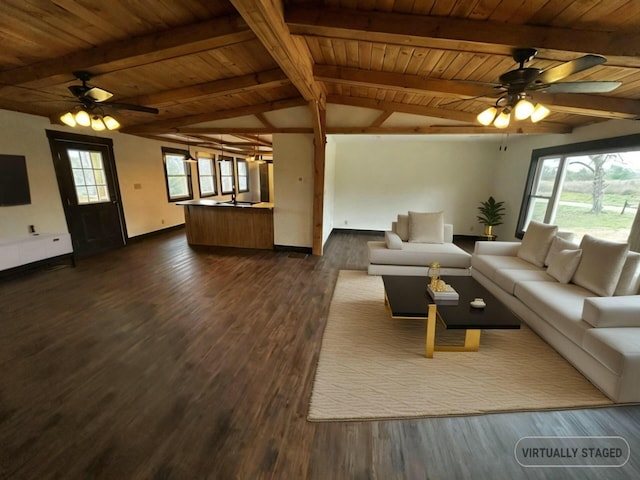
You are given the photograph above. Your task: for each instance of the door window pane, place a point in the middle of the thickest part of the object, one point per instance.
(90, 181)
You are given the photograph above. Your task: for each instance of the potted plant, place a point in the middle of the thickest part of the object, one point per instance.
(491, 213)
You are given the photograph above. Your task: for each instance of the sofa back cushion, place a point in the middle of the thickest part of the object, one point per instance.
(629, 283)
(564, 264)
(558, 244)
(601, 265)
(426, 227)
(402, 227)
(536, 242)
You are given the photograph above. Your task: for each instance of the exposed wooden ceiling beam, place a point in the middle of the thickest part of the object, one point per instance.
(399, 81)
(265, 18)
(264, 120)
(448, 129)
(581, 104)
(135, 51)
(170, 125)
(227, 86)
(245, 130)
(446, 32)
(403, 108)
(255, 140)
(383, 117)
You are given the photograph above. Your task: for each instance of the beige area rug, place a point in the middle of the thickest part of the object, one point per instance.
(372, 367)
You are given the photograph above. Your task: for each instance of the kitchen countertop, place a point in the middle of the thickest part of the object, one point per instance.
(203, 202)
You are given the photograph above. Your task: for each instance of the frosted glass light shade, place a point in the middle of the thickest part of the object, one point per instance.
(68, 119)
(487, 116)
(83, 118)
(110, 122)
(523, 110)
(502, 120)
(97, 124)
(539, 113)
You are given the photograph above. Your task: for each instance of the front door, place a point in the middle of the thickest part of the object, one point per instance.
(85, 168)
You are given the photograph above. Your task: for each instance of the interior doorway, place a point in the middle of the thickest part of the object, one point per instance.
(88, 184)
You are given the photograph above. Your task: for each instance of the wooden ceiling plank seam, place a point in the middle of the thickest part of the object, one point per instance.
(413, 29)
(463, 8)
(144, 49)
(484, 9)
(98, 24)
(364, 55)
(266, 79)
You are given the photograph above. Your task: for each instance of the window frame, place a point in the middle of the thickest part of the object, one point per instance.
(619, 144)
(187, 167)
(225, 158)
(212, 160)
(245, 162)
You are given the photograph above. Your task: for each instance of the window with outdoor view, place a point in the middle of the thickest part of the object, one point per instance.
(586, 188)
(206, 176)
(177, 174)
(227, 176)
(243, 175)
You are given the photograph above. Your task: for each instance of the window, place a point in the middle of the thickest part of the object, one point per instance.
(177, 174)
(243, 175)
(592, 187)
(206, 176)
(89, 177)
(227, 177)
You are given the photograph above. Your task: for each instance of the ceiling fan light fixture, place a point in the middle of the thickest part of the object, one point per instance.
(539, 112)
(502, 120)
(486, 117)
(523, 109)
(82, 118)
(110, 122)
(68, 119)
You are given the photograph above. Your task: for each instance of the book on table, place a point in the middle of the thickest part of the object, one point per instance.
(448, 293)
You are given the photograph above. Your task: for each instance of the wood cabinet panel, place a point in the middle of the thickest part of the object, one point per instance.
(228, 226)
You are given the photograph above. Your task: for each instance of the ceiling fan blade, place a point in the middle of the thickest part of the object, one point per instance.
(135, 108)
(581, 87)
(554, 74)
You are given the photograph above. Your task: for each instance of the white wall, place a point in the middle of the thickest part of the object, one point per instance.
(378, 177)
(329, 189)
(293, 190)
(25, 135)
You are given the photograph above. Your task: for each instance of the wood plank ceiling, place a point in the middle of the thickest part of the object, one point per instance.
(237, 71)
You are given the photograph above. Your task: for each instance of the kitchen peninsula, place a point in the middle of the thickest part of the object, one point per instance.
(229, 224)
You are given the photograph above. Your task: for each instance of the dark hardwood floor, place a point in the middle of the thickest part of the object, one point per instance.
(161, 361)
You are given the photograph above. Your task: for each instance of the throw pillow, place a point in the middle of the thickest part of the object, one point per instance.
(559, 243)
(402, 228)
(564, 265)
(601, 265)
(426, 227)
(393, 241)
(629, 282)
(536, 242)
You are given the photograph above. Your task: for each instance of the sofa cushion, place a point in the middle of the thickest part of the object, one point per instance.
(393, 241)
(419, 254)
(563, 265)
(426, 227)
(508, 278)
(601, 265)
(403, 227)
(559, 304)
(536, 242)
(613, 347)
(559, 243)
(612, 311)
(489, 265)
(629, 283)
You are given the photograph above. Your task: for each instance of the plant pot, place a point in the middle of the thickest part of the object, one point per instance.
(488, 230)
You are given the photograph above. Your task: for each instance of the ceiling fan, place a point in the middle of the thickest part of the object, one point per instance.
(516, 85)
(91, 96)
(92, 100)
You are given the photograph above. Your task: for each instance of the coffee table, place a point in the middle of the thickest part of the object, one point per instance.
(406, 298)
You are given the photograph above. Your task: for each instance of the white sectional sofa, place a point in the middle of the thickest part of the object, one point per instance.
(414, 242)
(584, 300)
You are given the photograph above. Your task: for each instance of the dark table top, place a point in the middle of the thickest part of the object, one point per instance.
(408, 297)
